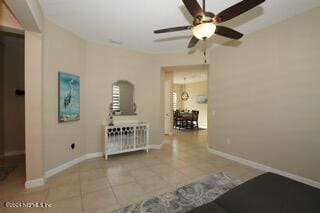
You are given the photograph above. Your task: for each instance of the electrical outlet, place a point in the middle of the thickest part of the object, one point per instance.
(213, 112)
(73, 145)
(228, 141)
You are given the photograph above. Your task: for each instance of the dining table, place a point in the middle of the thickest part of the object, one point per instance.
(186, 115)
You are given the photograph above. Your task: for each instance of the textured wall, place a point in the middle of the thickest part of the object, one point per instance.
(266, 97)
(65, 52)
(177, 88)
(1, 95)
(33, 107)
(7, 19)
(263, 95)
(106, 65)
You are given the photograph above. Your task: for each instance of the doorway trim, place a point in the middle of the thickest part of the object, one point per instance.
(166, 69)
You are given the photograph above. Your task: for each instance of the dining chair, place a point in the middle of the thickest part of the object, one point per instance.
(177, 120)
(195, 118)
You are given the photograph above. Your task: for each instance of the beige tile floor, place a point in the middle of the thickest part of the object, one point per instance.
(97, 185)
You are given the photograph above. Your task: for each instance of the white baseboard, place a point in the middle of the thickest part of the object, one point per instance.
(155, 146)
(203, 127)
(71, 163)
(94, 155)
(34, 183)
(64, 166)
(13, 153)
(264, 168)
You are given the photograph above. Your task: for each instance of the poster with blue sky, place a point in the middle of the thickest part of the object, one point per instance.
(69, 97)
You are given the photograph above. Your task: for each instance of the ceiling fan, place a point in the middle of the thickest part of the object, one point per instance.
(205, 23)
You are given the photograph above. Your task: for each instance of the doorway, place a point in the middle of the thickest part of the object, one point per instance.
(12, 105)
(185, 97)
(167, 106)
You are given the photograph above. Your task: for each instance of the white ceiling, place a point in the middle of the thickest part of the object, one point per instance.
(131, 22)
(192, 76)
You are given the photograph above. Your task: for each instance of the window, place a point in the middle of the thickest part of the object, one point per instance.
(174, 101)
(116, 98)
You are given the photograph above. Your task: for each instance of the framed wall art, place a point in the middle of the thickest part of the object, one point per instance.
(69, 97)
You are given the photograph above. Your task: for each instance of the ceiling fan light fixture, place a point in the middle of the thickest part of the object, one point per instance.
(204, 30)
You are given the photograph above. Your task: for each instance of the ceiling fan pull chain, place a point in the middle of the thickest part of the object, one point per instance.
(205, 51)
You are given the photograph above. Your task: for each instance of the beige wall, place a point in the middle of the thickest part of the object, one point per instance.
(99, 66)
(177, 88)
(168, 77)
(28, 12)
(36, 13)
(63, 51)
(1, 96)
(195, 89)
(7, 19)
(266, 101)
(266, 97)
(13, 106)
(106, 65)
(33, 108)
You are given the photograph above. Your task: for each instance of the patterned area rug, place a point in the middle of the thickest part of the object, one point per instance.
(186, 197)
(5, 171)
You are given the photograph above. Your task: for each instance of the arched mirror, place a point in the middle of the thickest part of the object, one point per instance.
(123, 98)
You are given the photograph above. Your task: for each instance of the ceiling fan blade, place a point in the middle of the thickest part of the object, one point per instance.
(227, 32)
(193, 42)
(194, 8)
(173, 29)
(236, 10)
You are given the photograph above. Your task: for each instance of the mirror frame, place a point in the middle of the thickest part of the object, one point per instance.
(134, 103)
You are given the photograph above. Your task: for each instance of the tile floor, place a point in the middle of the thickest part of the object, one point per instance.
(97, 185)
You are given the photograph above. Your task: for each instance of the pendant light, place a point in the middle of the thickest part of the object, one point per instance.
(184, 94)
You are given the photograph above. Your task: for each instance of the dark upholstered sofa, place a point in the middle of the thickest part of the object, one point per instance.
(267, 193)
